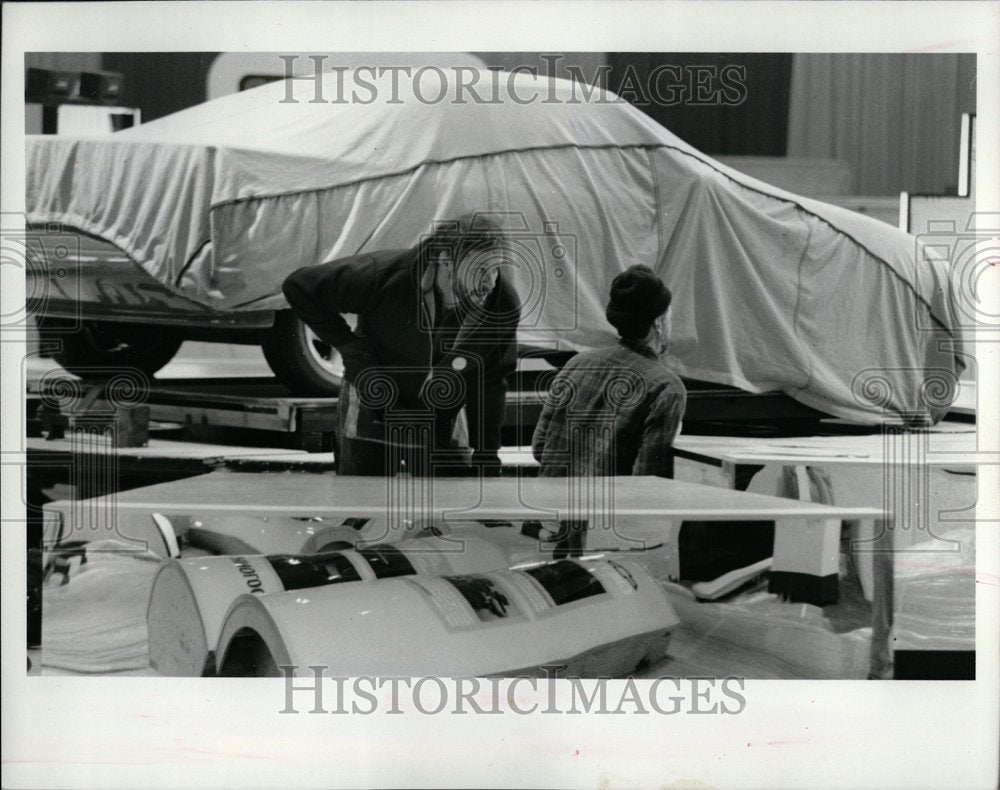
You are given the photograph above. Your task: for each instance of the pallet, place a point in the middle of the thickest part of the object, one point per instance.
(211, 409)
(257, 412)
(262, 412)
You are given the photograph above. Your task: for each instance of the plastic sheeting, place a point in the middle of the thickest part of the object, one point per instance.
(95, 623)
(771, 291)
(935, 594)
(759, 637)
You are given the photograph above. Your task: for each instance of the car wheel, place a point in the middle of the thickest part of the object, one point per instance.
(300, 360)
(108, 344)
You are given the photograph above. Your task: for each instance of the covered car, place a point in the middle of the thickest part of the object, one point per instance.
(218, 203)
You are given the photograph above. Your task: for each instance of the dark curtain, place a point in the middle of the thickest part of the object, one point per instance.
(160, 83)
(740, 108)
(894, 118)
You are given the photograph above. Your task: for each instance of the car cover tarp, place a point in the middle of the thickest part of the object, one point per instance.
(220, 202)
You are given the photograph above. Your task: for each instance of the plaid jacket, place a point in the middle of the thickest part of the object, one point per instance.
(612, 411)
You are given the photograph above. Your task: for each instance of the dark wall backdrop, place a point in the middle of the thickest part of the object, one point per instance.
(758, 125)
(159, 83)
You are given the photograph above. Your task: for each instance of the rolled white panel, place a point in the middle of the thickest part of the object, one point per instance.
(189, 598)
(244, 534)
(521, 542)
(595, 617)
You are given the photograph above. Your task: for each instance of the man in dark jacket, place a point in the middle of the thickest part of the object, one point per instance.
(616, 410)
(436, 332)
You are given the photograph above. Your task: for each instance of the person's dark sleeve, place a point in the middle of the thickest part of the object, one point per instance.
(486, 404)
(319, 295)
(541, 430)
(659, 431)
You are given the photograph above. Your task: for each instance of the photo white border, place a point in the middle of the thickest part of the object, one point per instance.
(129, 732)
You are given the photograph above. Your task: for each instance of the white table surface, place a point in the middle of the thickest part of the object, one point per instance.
(504, 497)
(165, 449)
(945, 447)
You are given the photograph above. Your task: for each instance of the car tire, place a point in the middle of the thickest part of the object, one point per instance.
(107, 344)
(300, 360)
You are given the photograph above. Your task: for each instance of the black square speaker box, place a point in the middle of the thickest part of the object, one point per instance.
(100, 86)
(46, 85)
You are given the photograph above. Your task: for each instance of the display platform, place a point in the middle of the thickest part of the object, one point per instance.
(165, 459)
(513, 461)
(964, 405)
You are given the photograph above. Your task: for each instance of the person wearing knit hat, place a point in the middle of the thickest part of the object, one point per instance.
(626, 388)
(638, 298)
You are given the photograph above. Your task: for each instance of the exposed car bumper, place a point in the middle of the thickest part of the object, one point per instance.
(74, 275)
